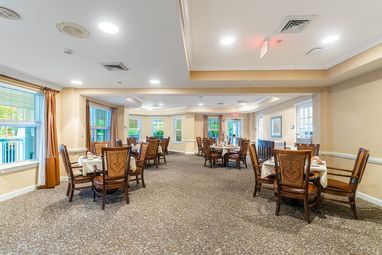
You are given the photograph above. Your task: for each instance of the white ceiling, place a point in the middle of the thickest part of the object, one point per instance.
(150, 39)
(252, 21)
(189, 103)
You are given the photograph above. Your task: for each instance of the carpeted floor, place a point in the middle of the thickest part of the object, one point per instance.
(184, 209)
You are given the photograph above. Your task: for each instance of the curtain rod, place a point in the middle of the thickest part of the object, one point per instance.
(101, 104)
(24, 84)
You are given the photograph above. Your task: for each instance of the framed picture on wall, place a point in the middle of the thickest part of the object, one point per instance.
(276, 127)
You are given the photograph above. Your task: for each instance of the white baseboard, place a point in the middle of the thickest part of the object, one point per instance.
(369, 198)
(185, 152)
(17, 193)
(64, 178)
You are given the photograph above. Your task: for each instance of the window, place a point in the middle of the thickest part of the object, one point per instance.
(157, 128)
(304, 120)
(135, 128)
(260, 127)
(20, 122)
(213, 127)
(100, 121)
(178, 129)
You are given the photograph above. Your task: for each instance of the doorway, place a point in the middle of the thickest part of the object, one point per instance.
(234, 130)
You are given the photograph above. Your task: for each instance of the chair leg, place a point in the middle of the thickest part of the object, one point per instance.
(94, 193)
(306, 211)
(238, 164)
(255, 191)
(353, 207)
(127, 194)
(71, 192)
(278, 201)
(205, 162)
(136, 179)
(143, 181)
(103, 198)
(164, 158)
(68, 190)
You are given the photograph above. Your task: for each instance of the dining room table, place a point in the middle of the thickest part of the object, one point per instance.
(89, 162)
(225, 150)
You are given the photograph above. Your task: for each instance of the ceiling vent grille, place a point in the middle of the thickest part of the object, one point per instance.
(114, 66)
(294, 24)
(314, 51)
(8, 14)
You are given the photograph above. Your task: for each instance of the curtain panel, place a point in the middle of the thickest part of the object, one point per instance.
(205, 126)
(113, 126)
(52, 168)
(88, 131)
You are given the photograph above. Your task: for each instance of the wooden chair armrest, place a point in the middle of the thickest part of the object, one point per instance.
(341, 175)
(339, 169)
(73, 162)
(76, 166)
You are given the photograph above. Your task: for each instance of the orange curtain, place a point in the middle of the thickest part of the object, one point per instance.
(88, 131)
(113, 126)
(221, 135)
(52, 169)
(205, 126)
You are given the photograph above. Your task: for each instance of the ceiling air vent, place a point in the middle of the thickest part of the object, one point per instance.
(294, 24)
(8, 14)
(114, 66)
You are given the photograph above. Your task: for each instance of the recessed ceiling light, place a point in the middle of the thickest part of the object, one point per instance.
(200, 104)
(160, 104)
(76, 82)
(227, 40)
(330, 39)
(155, 82)
(108, 27)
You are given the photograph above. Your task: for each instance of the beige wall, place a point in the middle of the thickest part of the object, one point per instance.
(13, 181)
(187, 144)
(287, 111)
(354, 119)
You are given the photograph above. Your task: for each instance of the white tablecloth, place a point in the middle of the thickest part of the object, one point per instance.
(269, 165)
(225, 148)
(88, 164)
(136, 148)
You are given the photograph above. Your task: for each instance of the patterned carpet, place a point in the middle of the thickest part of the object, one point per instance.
(184, 209)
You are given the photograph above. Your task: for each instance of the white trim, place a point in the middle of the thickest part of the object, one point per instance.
(185, 152)
(376, 161)
(19, 166)
(369, 198)
(17, 193)
(77, 150)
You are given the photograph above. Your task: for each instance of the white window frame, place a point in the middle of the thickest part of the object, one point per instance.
(260, 126)
(241, 125)
(36, 124)
(175, 119)
(152, 126)
(305, 121)
(208, 125)
(139, 126)
(95, 127)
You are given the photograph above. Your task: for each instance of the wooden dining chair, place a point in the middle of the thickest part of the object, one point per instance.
(164, 144)
(74, 174)
(118, 143)
(268, 180)
(348, 189)
(239, 141)
(152, 151)
(241, 155)
(314, 148)
(200, 145)
(140, 164)
(115, 173)
(293, 179)
(210, 155)
(131, 141)
(265, 150)
(97, 147)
